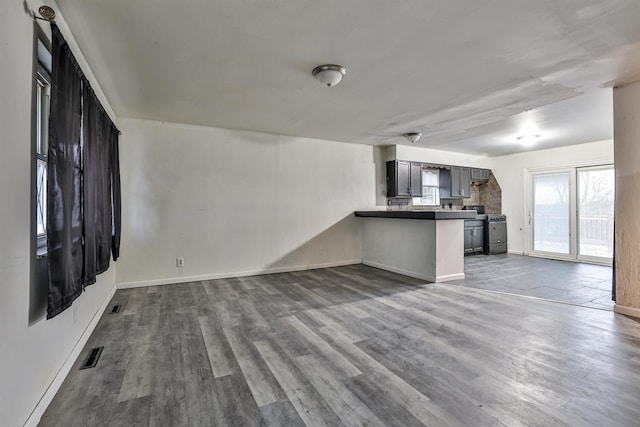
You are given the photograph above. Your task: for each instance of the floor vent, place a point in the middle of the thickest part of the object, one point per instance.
(115, 309)
(92, 359)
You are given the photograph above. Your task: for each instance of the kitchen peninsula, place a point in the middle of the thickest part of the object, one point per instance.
(426, 245)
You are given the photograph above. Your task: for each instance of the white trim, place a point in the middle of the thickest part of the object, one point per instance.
(594, 261)
(599, 162)
(431, 279)
(47, 397)
(227, 275)
(448, 277)
(514, 252)
(627, 311)
(400, 271)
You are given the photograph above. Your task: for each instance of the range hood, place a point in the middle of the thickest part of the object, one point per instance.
(479, 176)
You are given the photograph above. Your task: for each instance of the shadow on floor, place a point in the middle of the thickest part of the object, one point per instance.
(576, 283)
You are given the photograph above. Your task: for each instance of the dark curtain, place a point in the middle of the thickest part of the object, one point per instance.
(115, 191)
(101, 172)
(97, 186)
(64, 183)
(83, 205)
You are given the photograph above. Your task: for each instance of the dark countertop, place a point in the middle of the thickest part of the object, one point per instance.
(429, 215)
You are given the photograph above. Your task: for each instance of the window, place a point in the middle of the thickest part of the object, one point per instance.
(43, 94)
(430, 188)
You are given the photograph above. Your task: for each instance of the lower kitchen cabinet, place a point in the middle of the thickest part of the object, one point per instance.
(473, 236)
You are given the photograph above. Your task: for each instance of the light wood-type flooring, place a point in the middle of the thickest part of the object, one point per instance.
(351, 346)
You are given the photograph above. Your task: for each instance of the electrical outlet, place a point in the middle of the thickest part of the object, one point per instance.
(322, 252)
(179, 262)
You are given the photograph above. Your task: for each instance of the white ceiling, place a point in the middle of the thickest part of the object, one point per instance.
(471, 75)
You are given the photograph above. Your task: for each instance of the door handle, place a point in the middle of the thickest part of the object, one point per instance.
(529, 218)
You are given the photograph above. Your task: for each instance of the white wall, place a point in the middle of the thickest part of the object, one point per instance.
(234, 202)
(428, 155)
(510, 172)
(30, 356)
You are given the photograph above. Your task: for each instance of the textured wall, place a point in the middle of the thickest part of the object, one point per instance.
(626, 101)
(233, 202)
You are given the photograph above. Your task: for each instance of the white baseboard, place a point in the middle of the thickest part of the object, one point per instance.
(515, 252)
(399, 271)
(627, 311)
(64, 370)
(450, 277)
(228, 275)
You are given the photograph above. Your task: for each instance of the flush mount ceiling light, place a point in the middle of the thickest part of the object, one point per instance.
(329, 74)
(528, 140)
(413, 137)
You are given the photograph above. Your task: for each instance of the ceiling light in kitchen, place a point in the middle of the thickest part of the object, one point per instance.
(528, 140)
(413, 137)
(329, 74)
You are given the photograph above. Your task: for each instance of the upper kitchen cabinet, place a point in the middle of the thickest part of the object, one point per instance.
(480, 176)
(404, 179)
(460, 182)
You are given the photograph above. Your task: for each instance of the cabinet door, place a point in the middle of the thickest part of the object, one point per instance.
(465, 182)
(455, 182)
(478, 239)
(415, 188)
(468, 240)
(403, 178)
(398, 178)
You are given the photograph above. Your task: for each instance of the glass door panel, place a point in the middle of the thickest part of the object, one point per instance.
(596, 193)
(551, 213)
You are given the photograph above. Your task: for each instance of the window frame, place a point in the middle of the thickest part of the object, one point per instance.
(41, 78)
(43, 84)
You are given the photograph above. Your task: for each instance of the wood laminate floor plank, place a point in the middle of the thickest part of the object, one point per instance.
(355, 345)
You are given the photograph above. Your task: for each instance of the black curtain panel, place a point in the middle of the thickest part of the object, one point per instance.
(101, 174)
(64, 183)
(115, 190)
(83, 205)
(97, 186)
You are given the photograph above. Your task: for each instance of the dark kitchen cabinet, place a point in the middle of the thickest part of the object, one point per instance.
(480, 175)
(460, 182)
(445, 183)
(473, 236)
(404, 179)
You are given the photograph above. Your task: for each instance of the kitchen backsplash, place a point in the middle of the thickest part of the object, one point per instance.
(488, 194)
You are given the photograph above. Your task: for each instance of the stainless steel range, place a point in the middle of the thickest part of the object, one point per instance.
(495, 234)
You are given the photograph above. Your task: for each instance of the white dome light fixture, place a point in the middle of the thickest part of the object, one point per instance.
(528, 140)
(413, 137)
(329, 74)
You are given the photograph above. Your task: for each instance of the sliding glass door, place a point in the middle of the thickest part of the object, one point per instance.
(595, 212)
(571, 213)
(551, 213)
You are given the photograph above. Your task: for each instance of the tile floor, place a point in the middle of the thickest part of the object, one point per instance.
(568, 282)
